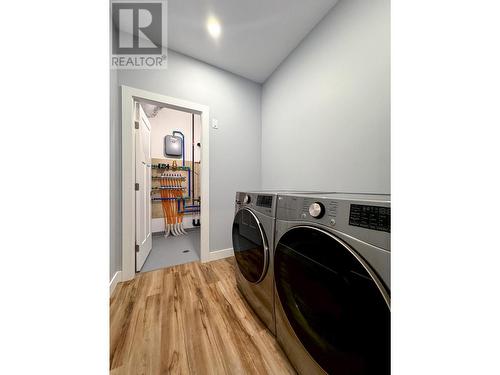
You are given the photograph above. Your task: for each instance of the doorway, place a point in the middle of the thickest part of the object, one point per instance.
(165, 196)
(174, 180)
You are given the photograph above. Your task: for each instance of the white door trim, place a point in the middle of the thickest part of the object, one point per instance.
(129, 94)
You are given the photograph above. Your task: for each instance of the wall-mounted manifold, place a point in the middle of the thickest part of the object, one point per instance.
(171, 191)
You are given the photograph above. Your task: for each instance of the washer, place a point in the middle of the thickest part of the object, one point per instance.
(332, 282)
(253, 244)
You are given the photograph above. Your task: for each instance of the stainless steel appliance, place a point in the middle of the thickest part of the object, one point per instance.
(332, 282)
(253, 244)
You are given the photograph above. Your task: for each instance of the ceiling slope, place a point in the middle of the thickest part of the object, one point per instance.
(257, 35)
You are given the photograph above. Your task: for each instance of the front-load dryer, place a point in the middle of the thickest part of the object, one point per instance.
(253, 244)
(332, 283)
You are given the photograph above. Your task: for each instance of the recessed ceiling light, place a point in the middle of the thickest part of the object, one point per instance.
(213, 27)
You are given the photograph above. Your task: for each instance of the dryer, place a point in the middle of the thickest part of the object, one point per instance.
(332, 282)
(253, 245)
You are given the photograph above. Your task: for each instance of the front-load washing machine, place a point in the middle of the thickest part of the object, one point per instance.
(253, 244)
(332, 282)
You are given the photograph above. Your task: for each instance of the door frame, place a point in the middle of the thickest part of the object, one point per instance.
(129, 95)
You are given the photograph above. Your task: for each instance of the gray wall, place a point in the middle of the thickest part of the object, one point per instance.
(326, 109)
(234, 147)
(115, 259)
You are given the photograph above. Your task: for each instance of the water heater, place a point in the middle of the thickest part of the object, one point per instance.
(173, 145)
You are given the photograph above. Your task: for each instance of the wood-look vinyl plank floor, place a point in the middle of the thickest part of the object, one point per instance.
(189, 319)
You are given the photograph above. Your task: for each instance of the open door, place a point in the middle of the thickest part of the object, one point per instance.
(143, 235)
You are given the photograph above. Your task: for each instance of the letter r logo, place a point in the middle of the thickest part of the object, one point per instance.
(137, 28)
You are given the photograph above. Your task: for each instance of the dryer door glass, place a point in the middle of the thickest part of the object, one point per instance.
(334, 305)
(250, 246)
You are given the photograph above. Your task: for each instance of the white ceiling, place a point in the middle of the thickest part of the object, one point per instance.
(257, 35)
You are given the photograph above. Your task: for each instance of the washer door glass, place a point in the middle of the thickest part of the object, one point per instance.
(250, 246)
(336, 307)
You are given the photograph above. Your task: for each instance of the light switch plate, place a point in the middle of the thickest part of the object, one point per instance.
(215, 123)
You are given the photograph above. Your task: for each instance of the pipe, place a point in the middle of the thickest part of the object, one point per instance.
(182, 149)
(184, 206)
(177, 194)
(191, 188)
(167, 199)
(178, 213)
(190, 211)
(169, 182)
(192, 152)
(166, 209)
(192, 207)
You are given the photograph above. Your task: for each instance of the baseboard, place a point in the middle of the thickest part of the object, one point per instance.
(117, 277)
(220, 254)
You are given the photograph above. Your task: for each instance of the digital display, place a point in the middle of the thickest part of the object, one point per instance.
(370, 217)
(265, 201)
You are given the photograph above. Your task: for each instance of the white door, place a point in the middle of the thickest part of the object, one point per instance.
(143, 235)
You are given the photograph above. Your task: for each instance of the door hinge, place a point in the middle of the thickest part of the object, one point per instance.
(136, 186)
(136, 248)
(136, 124)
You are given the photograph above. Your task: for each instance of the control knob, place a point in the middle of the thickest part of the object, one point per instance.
(247, 199)
(316, 210)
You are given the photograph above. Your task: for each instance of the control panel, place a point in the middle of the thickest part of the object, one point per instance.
(367, 219)
(325, 210)
(265, 201)
(370, 217)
